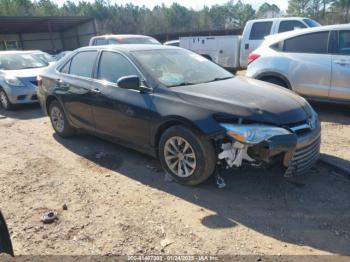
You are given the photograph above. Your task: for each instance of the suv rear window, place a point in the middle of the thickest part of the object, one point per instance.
(260, 30)
(315, 43)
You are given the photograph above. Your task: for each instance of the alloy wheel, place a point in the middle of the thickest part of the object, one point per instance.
(57, 119)
(3, 99)
(180, 156)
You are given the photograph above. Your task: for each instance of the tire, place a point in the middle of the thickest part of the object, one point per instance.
(4, 101)
(195, 155)
(59, 120)
(275, 81)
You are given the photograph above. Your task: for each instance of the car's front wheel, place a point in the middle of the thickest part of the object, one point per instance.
(186, 155)
(59, 120)
(4, 101)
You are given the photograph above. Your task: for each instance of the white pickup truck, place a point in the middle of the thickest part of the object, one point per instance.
(232, 51)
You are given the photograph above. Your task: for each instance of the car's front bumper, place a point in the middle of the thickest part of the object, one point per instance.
(299, 152)
(296, 151)
(21, 95)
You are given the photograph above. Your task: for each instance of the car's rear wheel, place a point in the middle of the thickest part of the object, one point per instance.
(186, 155)
(4, 101)
(59, 120)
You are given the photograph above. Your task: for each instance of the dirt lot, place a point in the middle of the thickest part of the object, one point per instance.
(119, 202)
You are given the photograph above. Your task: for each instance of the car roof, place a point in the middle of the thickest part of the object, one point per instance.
(17, 52)
(128, 47)
(122, 36)
(282, 36)
(278, 19)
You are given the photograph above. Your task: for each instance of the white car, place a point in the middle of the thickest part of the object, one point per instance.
(313, 62)
(123, 39)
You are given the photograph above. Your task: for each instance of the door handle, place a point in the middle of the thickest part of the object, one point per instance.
(95, 91)
(61, 84)
(246, 46)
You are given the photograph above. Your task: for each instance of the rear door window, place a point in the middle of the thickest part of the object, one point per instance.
(260, 30)
(290, 26)
(315, 43)
(82, 64)
(113, 66)
(344, 42)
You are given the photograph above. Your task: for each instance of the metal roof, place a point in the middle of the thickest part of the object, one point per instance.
(39, 24)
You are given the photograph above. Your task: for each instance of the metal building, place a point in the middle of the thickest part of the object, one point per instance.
(46, 33)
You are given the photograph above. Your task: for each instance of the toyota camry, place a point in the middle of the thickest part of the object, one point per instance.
(176, 105)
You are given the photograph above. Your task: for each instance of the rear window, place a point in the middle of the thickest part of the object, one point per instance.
(100, 41)
(311, 23)
(139, 40)
(260, 30)
(316, 43)
(290, 26)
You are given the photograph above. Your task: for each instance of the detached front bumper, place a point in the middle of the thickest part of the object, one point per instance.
(296, 151)
(300, 152)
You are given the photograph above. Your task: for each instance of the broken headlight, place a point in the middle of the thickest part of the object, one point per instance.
(253, 133)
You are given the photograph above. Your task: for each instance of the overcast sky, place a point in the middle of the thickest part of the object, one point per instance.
(196, 4)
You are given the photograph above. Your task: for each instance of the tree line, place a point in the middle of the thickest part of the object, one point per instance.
(129, 18)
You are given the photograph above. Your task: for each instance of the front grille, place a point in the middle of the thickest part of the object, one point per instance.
(22, 97)
(304, 158)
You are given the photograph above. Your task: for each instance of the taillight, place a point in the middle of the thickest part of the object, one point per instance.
(252, 57)
(39, 80)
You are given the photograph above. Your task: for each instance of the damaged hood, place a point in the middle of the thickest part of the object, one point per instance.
(247, 98)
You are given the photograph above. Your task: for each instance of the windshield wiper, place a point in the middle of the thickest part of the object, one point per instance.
(183, 84)
(219, 79)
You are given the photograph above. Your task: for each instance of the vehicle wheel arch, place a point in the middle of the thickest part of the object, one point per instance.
(275, 75)
(170, 122)
(10, 105)
(49, 100)
(207, 57)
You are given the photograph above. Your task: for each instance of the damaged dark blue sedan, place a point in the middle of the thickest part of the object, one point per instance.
(178, 106)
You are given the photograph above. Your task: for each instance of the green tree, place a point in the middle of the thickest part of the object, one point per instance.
(268, 11)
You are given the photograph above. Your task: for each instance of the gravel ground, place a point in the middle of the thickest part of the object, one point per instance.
(118, 201)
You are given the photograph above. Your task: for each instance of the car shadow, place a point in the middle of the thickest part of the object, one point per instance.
(333, 113)
(313, 210)
(22, 112)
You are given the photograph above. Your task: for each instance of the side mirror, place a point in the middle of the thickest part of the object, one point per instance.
(129, 82)
(5, 240)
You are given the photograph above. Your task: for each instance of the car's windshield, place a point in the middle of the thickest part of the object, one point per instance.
(139, 40)
(177, 67)
(311, 23)
(44, 56)
(20, 61)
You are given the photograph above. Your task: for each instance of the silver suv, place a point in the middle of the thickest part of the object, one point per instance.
(313, 62)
